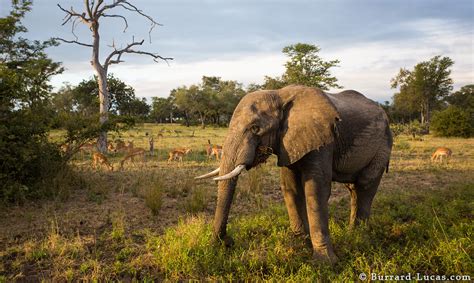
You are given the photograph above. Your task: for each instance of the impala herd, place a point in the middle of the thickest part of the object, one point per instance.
(177, 154)
(131, 153)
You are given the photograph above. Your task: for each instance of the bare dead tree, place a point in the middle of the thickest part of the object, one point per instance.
(93, 12)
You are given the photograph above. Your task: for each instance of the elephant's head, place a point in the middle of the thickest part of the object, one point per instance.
(289, 122)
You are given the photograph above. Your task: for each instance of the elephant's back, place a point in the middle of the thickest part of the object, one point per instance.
(361, 133)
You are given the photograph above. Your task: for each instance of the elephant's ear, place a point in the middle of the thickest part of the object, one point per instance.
(307, 124)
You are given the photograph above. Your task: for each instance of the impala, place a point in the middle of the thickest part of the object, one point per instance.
(213, 150)
(440, 153)
(132, 153)
(178, 154)
(98, 159)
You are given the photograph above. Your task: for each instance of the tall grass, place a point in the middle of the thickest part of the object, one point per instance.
(421, 221)
(410, 232)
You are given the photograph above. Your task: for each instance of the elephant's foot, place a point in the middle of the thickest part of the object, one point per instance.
(358, 221)
(227, 241)
(325, 255)
(298, 230)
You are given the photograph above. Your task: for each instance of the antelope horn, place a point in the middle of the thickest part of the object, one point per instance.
(210, 174)
(232, 174)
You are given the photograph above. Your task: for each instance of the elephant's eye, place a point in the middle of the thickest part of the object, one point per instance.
(255, 129)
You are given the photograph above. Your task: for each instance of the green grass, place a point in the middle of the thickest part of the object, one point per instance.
(410, 231)
(152, 221)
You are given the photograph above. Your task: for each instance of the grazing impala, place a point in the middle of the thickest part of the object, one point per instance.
(440, 152)
(65, 148)
(178, 154)
(98, 159)
(88, 147)
(122, 147)
(132, 153)
(111, 148)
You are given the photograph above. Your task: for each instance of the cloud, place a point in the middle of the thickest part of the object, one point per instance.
(365, 66)
(368, 67)
(158, 79)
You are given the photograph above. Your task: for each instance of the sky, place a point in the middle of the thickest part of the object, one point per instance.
(242, 40)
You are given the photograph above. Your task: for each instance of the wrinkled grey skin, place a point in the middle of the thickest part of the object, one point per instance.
(318, 138)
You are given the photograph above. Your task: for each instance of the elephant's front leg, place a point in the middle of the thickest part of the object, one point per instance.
(293, 193)
(317, 191)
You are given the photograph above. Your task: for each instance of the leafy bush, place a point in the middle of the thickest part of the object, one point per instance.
(27, 159)
(414, 129)
(397, 129)
(453, 122)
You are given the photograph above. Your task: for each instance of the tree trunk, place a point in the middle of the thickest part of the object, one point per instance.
(186, 117)
(103, 90)
(422, 113)
(203, 125)
(428, 112)
(103, 109)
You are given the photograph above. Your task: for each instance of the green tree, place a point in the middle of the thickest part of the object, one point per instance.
(453, 122)
(273, 82)
(463, 98)
(163, 109)
(213, 100)
(223, 97)
(183, 102)
(122, 99)
(137, 108)
(86, 97)
(305, 67)
(404, 109)
(27, 158)
(423, 88)
(253, 87)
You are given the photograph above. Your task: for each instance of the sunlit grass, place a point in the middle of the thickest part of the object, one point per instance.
(431, 236)
(152, 221)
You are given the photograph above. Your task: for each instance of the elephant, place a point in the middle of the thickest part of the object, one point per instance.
(318, 138)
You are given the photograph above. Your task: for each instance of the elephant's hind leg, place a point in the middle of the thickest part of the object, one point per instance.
(293, 193)
(364, 190)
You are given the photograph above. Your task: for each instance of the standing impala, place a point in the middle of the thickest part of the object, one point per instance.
(178, 154)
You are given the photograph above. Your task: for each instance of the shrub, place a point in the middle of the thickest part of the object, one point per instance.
(28, 162)
(397, 129)
(413, 129)
(452, 122)
(154, 197)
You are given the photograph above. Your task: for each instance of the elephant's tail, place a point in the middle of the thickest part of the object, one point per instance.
(386, 168)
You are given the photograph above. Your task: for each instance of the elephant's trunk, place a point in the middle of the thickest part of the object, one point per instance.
(238, 154)
(225, 194)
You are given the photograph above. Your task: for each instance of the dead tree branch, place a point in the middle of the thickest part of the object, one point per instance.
(116, 55)
(130, 7)
(73, 41)
(118, 16)
(71, 13)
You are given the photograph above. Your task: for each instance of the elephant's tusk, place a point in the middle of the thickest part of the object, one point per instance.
(232, 174)
(210, 174)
